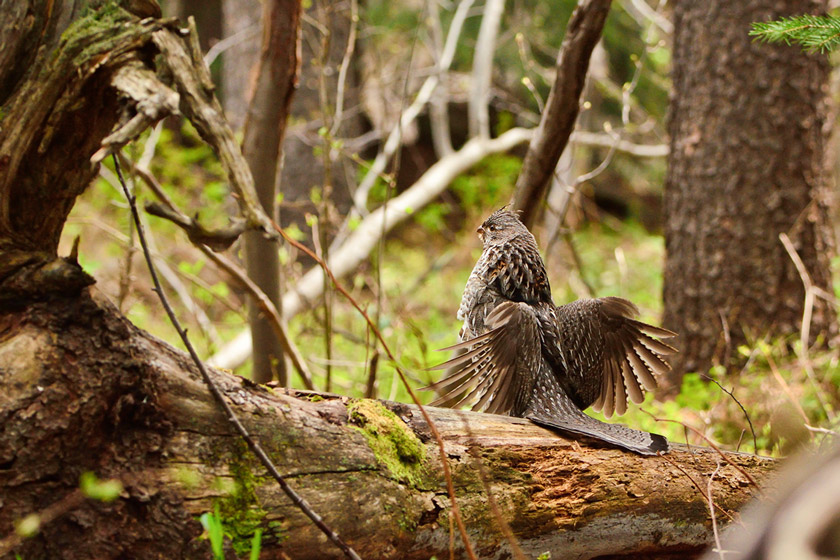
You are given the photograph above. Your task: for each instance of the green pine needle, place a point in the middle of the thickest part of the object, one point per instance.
(813, 33)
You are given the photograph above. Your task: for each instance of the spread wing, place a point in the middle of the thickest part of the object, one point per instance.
(606, 355)
(497, 369)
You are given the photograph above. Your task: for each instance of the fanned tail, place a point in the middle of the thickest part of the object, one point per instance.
(551, 407)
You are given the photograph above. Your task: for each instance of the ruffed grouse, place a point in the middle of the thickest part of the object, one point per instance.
(522, 355)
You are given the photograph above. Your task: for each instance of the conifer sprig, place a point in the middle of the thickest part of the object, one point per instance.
(813, 33)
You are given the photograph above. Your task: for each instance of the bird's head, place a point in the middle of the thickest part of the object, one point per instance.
(501, 226)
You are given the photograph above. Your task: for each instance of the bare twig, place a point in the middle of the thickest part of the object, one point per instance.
(407, 117)
(432, 428)
(262, 300)
(255, 448)
(718, 548)
(697, 486)
(711, 444)
(528, 62)
(202, 108)
(345, 65)
(438, 107)
(744, 410)
(217, 240)
(608, 141)
(228, 42)
(49, 514)
(504, 526)
(268, 308)
(825, 431)
(482, 70)
(663, 23)
(784, 384)
(807, 315)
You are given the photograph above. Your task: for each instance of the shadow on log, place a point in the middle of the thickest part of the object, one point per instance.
(84, 390)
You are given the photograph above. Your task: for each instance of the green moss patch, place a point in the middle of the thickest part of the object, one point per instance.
(240, 511)
(393, 443)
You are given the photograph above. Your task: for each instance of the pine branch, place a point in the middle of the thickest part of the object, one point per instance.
(814, 33)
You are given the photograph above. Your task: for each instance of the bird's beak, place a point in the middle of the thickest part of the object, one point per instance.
(480, 232)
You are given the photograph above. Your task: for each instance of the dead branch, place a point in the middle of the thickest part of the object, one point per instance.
(482, 70)
(558, 119)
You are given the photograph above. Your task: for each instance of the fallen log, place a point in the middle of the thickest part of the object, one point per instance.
(81, 389)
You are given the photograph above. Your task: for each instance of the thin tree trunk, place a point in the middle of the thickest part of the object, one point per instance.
(265, 127)
(748, 126)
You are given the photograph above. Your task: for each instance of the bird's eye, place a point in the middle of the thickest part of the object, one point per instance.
(492, 227)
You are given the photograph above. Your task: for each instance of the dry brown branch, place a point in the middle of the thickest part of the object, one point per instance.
(412, 111)
(558, 119)
(482, 70)
(54, 511)
(199, 104)
(718, 548)
(807, 314)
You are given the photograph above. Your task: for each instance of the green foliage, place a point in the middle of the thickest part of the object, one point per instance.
(488, 185)
(256, 545)
(239, 510)
(215, 532)
(812, 32)
(102, 490)
(212, 523)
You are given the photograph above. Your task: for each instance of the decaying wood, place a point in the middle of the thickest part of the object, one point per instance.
(83, 390)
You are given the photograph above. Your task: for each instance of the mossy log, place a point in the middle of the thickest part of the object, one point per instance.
(81, 389)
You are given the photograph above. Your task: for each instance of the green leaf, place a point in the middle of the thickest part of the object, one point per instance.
(212, 523)
(256, 545)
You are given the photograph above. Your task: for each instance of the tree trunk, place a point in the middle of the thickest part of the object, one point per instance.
(265, 129)
(748, 126)
(84, 390)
